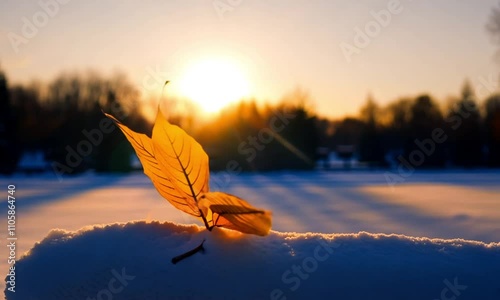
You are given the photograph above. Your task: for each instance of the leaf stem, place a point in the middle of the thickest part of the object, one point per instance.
(189, 253)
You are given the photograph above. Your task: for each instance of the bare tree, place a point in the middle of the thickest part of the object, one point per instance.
(493, 28)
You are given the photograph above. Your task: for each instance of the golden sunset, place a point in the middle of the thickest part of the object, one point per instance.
(237, 149)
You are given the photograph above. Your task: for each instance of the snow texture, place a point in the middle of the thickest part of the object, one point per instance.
(438, 207)
(132, 261)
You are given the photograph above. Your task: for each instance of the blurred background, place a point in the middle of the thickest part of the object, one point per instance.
(261, 85)
(338, 116)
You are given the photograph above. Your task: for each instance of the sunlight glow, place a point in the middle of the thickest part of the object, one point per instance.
(214, 83)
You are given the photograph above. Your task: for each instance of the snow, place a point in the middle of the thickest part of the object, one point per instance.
(430, 213)
(81, 265)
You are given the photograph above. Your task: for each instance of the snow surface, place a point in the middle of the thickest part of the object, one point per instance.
(85, 264)
(443, 205)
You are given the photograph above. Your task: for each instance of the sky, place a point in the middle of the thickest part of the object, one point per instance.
(337, 51)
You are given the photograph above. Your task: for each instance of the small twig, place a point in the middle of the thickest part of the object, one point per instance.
(189, 253)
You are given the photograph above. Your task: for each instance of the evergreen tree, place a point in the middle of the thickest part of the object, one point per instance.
(370, 148)
(464, 121)
(425, 117)
(10, 150)
(492, 122)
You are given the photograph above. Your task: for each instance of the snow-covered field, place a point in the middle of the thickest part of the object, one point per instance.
(426, 211)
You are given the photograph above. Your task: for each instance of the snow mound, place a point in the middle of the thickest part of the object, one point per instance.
(133, 261)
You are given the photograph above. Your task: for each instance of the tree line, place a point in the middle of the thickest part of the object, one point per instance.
(460, 133)
(63, 119)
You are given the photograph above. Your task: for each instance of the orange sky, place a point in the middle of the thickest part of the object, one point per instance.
(410, 46)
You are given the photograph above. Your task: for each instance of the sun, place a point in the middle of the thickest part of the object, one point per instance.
(214, 83)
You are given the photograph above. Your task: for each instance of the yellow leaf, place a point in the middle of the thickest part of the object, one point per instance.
(178, 167)
(143, 146)
(225, 210)
(181, 158)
